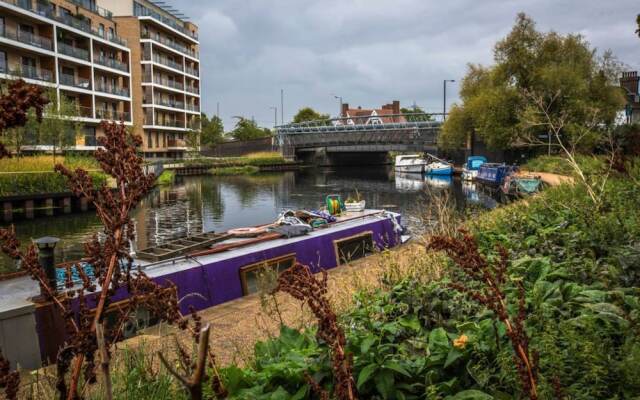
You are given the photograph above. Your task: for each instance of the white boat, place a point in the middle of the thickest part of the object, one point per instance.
(413, 163)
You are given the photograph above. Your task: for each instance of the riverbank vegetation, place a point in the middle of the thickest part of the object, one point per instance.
(241, 165)
(34, 174)
(166, 178)
(226, 171)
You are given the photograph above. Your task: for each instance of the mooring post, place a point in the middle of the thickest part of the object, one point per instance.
(66, 205)
(28, 209)
(7, 211)
(48, 206)
(46, 258)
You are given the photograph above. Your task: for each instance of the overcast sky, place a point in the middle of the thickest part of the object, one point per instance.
(371, 51)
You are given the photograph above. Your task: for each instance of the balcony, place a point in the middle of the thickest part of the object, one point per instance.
(192, 71)
(118, 91)
(194, 125)
(145, 12)
(70, 80)
(169, 103)
(91, 6)
(176, 144)
(164, 82)
(80, 23)
(194, 90)
(170, 123)
(193, 107)
(27, 38)
(84, 112)
(74, 52)
(166, 62)
(112, 115)
(169, 43)
(28, 72)
(111, 63)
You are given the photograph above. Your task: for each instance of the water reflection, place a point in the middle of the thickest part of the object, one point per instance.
(198, 204)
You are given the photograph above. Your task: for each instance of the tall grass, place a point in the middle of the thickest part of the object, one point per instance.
(560, 165)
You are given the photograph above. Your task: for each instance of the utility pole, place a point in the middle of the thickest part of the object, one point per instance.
(275, 115)
(281, 106)
(444, 98)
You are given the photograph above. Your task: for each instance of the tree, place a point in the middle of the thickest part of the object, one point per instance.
(415, 114)
(59, 128)
(19, 136)
(309, 114)
(212, 130)
(247, 129)
(497, 100)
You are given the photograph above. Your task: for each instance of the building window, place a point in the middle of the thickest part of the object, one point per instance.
(353, 247)
(251, 275)
(112, 33)
(101, 30)
(149, 140)
(89, 136)
(3, 61)
(157, 139)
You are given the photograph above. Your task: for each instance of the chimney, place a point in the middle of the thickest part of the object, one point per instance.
(396, 107)
(345, 107)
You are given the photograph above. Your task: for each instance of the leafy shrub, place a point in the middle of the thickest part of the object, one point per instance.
(560, 165)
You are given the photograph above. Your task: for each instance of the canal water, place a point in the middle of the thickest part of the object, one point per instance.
(196, 204)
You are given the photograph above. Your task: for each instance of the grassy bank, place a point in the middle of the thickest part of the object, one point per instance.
(253, 159)
(166, 178)
(35, 175)
(226, 171)
(560, 165)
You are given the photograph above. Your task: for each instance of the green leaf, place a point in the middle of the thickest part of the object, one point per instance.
(453, 355)
(367, 343)
(470, 395)
(438, 340)
(412, 323)
(384, 382)
(365, 374)
(393, 365)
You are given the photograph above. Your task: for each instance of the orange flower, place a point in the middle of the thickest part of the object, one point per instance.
(461, 341)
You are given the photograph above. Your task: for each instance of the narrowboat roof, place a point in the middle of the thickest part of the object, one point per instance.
(15, 293)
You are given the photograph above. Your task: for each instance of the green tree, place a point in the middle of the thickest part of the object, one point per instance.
(212, 130)
(501, 103)
(247, 129)
(19, 136)
(59, 128)
(309, 114)
(415, 114)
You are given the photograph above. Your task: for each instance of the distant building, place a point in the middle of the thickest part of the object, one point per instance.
(388, 113)
(629, 82)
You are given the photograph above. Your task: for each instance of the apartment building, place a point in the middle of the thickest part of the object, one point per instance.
(129, 60)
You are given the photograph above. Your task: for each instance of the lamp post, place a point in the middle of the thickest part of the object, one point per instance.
(340, 110)
(275, 115)
(46, 246)
(444, 97)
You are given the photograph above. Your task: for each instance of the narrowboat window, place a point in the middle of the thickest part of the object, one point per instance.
(354, 247)
(250, 274)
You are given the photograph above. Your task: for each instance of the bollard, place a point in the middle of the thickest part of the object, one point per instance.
(46, 257)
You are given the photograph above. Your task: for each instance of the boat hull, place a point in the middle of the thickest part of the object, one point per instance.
(447, 171)
(412, 169)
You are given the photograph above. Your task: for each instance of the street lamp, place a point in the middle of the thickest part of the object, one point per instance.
(340, 111)
(444, 97)
(275, 115)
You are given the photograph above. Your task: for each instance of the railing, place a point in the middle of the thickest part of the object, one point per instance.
(195, 125)
(84, 112)
(176, 143)
(169, 103)
(167, 123)
(193, 107)
(118, 91)
(27, 38)
(360, 123)
(166, 62)
(29, 72)
(72, 21)
(91, 6)
(145, 12)
(160, 39)
(111, 63)
(164, 82)
(73, 51)
(192, 71)
(191, 89)
(70, 80)
(112, 115)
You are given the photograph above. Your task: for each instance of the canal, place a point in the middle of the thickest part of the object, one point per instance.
(209, 203)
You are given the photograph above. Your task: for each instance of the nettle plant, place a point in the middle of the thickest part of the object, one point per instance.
(81, 306)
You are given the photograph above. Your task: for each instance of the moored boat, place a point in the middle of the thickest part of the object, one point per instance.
(493, 174)
(471, 167)
(410, 163)
(439, 168)
(208, 269)
(521, 185)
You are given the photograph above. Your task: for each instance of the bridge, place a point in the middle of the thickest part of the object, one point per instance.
(367, 138)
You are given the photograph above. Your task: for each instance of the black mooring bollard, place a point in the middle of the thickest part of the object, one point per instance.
(46, 257)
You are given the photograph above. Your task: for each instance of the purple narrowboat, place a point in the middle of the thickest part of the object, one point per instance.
(224, 267)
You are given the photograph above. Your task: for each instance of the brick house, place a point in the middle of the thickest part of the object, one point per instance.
(388, 113)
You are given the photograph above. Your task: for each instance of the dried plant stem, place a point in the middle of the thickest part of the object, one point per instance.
(104, 363)
(193, 383)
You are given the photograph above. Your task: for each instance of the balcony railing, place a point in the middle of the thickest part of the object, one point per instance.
(91, 6)
(169, 103)
(145, 12)
(166, 62)
(72, 21)
(192, 71)
(195, 125)
(24, 71)
(193, 107)
(169, 43)
(166, 122)
(70, 80)
(164, 82)
(85, 112)
(102, 113)
(177, 143)
(111, 63)
(118, 91)
(27, 38)
(191, 89)
(72, 51)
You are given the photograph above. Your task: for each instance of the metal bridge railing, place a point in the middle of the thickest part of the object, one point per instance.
(389, 122)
